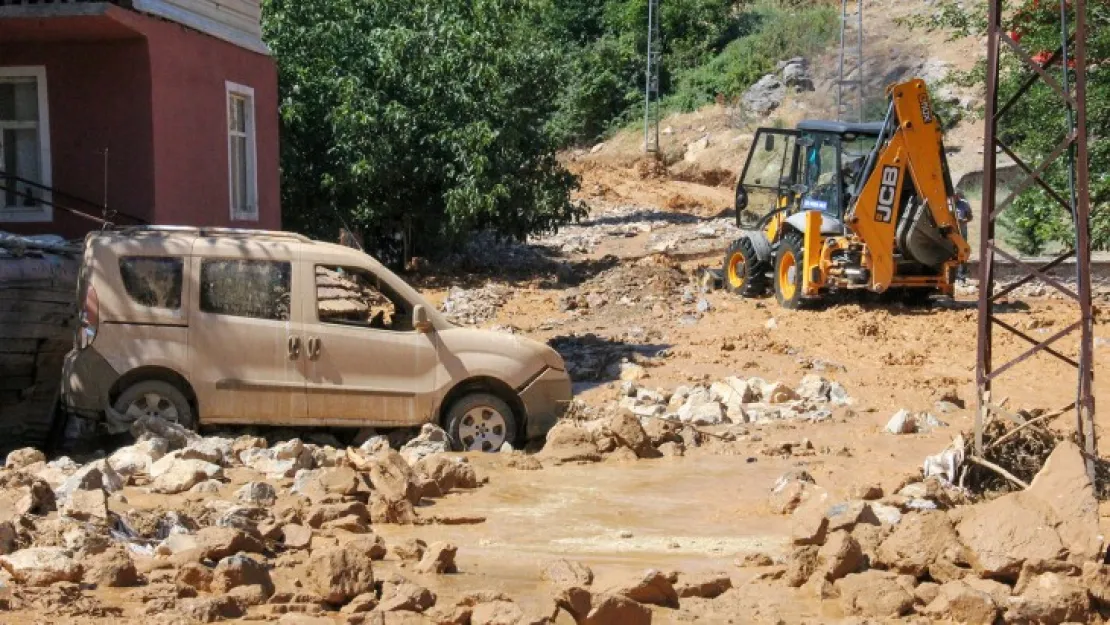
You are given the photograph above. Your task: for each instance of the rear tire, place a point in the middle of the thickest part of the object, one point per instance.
(480, 422)
(788, 271)
(744, 273)
(157, 399)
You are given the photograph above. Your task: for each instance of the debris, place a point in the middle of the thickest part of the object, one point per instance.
(875, 594)
(653, 587)
(41, 566)
(439, 559)
(566, 573)
(703, 585)
(339, 574)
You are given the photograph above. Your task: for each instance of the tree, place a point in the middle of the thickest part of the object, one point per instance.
(416, 122)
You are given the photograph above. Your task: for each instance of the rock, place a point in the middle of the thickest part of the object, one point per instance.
(575, 601)
(296, 536)
(845, 516)
(112, 568)
(926, 592)
(754, 560)
(1063, 484)
(138, 458)
(733, 390)
(86, 505)
(814, 388)
(8, 538)
(240, 570)
(365, 602)
(207, 487)
(653, 587)
(778, 393)
(371, 544)
(24, 457)
(808, 523)
(411, 550)
(246, 518)
(961, 603)
(874, 594)
(918, 543)
(866, 492)
(217, 543)
(384, 510)
(249, 596)
(789, 491)
(1050, 599)
(1002, 534)
(431, 440)
(92, 476)
(614, 608)
(447, 473)
(1096, 579)
(703, 585)
(405, 596)
(567, 442)
(800, 565)
(392, 477)
(154, 428)
(280, 461)
(211, 609)
(523, 462)
(194, 575)
(439, 558)
(887, 515)
(173, 474)
(317, 516)
(567, 573)
(901, 423)
(41, 566)
(698, 412)
(214, 449)
(765, 95)
(320, 484)
(839, 556)
(838, 395)
(632, 372)
(259, 493)
(630, 433)
(339, 575)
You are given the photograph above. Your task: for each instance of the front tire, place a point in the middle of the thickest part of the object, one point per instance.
(788, 271)
(156, 399)
(480, 422)
(744, 273)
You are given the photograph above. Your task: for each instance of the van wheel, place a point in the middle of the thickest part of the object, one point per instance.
(480, 422)
(157, 399)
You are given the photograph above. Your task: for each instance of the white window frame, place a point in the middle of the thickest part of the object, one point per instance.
(44, 212)
(242, 91)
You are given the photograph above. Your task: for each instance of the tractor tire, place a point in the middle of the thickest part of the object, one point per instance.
(788, 271)
(744, 273)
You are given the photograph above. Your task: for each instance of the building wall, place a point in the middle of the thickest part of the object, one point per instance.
(189, 71)
(99, 97)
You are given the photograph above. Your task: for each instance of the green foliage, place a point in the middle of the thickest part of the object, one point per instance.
(1036, 222)
(416, 121)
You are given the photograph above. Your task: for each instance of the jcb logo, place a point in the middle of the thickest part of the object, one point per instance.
(888, 188)
(926, 110)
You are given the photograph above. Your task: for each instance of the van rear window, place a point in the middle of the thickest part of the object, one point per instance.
(153, 281)
(246, 288)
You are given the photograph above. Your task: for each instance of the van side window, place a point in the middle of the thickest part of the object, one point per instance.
(153, 281)
(353, 296)
(246, 288)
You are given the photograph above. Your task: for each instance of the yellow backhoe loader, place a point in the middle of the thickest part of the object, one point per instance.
(833, 206)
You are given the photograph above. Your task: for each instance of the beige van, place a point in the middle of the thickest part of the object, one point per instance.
(225, 326)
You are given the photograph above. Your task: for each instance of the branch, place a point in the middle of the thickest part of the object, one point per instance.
(1040, 419)
(997, 469)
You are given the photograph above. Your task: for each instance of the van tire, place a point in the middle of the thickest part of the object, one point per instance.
(480, 422)
(157, 399)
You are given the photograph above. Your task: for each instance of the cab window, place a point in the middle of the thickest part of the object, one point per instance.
(822, 176)
(356, 297)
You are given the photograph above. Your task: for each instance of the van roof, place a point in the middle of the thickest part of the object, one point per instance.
(194, 231)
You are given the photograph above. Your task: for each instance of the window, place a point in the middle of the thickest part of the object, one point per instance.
(24, 144)
(246, 288)
(352, 296)
(152, 281)
(242, 170)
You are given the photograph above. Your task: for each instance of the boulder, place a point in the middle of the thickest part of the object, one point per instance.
(1096, 578)
(385, 510)
(497, 612)
(653, 587)
(630, 432)
(94, 475)
(194, 575)
(318, 515)
(839, 556)
(280, 461)
(1002, 534)
(901, 423)
(432, 439)
(808, 523)
(339, 575)
(608, 609)
(447, 473)
(778, 393)
(365, 602)
(86, 505)
(211, 609)
(960, 602)
(438, 559)
(874, 594)
(111, 568)
(241, 570)
(1050, 599)
(176, 437)
(22, 493)
(700, 410)
(800, 565)
(138, 458)
(214, 449)
(765, 95)
(405, 596)
(814, 388)
(371, 544)
(8, 538)
(41, 566)
(411, 550)
(24, 457)
(703, 585)
(567, 573)
(296, 536)
(217, 543)
(173, 474)
(320, 484)
(260, 493)
(789, 491)
(918, 543)
(1064, 485)
(392, 477)
(567, 442)
(845, 516)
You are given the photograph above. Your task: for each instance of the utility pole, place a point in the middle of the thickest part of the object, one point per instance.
(1065, 74)
(851, 60)
(651, 79)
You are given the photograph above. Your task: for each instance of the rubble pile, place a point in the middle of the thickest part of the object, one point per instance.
(475, 306)
(612, 222)
(1026, 557)
(589, 357)
(490, 252)
(648, 283)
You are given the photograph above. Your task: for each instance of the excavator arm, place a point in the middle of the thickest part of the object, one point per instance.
(902, 205)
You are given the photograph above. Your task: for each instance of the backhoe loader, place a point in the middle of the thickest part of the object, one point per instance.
(834, 206)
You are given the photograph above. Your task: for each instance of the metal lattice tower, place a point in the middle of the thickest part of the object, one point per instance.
(850, 73)
(1064, 73)
(651, 79)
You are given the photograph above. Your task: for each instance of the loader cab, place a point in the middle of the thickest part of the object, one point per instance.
(813, 167)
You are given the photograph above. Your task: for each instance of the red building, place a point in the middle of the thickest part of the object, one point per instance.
(166, 109)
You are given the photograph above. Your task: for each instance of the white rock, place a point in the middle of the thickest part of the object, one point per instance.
(257, 493)
(778, 393)
(901, 423)
(838, 395)
(431, 440)
(181, 475)
(20, 458)
(701, 413)
(815, 388)
(373, 445)
(887, 515)
(94, 475)
(280, 461)
(138, 458)
(214, 449)
(41, 566)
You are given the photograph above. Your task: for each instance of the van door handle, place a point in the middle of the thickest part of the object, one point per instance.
(294, 347)
(313, 347)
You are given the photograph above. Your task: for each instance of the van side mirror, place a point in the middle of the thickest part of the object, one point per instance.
(769, 142)
(420, 319)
